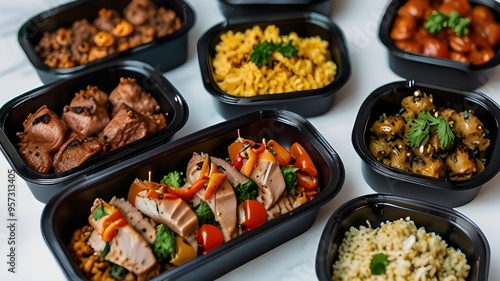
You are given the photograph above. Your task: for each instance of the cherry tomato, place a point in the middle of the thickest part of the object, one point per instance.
(238, 162)
(305, 164)
(251, 214)
(307, 182)
(209, 237)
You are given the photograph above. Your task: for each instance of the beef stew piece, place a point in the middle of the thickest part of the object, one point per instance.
(77, 150)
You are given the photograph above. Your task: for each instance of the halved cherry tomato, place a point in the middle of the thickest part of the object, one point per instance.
(305, 164)
(238, 162)
(307, 182)
(214, 182)
(280, 153)
(251, 214)
(187, 193)
(209, 237)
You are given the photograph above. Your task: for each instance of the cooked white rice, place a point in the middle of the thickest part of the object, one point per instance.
(413, 254)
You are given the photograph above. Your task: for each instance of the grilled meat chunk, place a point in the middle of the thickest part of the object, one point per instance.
(87, 114)
(44, 128)
(127, 126)
(77, 150)
(234, 176)
(36, 156)
(129, 93)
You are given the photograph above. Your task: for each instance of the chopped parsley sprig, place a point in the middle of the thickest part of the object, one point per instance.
(378, 264)
(437, 21)
(424, 125)
(262, 52)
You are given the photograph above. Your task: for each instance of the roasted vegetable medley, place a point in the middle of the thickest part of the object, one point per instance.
(192, 211)
(428, 140)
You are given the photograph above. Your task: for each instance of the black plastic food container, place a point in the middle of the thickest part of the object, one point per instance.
(305, 24)
(232, 8)
(445, 72)
(384, 179)
(69, 209)
(58, 94)
(163, 54)
(455, 228)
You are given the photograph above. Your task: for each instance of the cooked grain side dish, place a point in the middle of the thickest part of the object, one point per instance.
(397, 250)
(261, 61)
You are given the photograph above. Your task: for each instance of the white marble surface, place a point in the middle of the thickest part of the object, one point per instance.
(293, 260)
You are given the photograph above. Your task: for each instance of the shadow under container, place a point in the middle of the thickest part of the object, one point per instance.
(236, 8)
(69, 210)
(307, 103)
(384, 179)
(58, 94)
(163, 54)
(445, 72)
(455, 228)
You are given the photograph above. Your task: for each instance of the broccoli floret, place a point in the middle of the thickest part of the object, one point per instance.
(118, 272)
(173, 179)
(289, 173)
(204, 213)
(164, 244)
(244, 191)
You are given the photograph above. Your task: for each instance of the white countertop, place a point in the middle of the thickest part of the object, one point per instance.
(294, 260)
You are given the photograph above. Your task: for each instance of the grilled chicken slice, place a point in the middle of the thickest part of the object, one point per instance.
(284, 205)
(194, 167)
(77, 150)
(130, 250)
(224, 206)
(36, 156)
(176, 214)
(127, 248)
(127, 126)
(87, 113)
(44, 128)
(145, 226)
(268, 177)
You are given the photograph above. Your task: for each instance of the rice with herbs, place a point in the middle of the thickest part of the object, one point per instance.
(311, 68)
(412, 254)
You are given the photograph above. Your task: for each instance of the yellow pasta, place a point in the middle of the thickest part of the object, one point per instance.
(312, 67)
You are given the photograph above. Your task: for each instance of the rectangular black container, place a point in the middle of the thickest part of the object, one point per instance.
(69, 210)
(455, 228)
(163, 54)
(445, 72)
(58, 94)
(236, 8)
(381, 178)
(306, 103)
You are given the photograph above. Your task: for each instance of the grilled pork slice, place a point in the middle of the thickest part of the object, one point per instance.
(77, 150)
(36, 156)
(44, 128)
(268, 177)
(129, 93)
(127, 248)
(87, 113)
(141, 224)
(176, 214)
(127, 126)
(224, 206)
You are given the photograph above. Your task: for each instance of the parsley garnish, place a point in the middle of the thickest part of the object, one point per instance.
(99, 212)
(262, 52)
(437, 21)
(378, 263)
(424, 124)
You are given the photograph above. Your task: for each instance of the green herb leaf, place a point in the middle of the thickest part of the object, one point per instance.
(378, 264)
(262, 52)
(437, 21)
(424, 124)
(99, 212)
